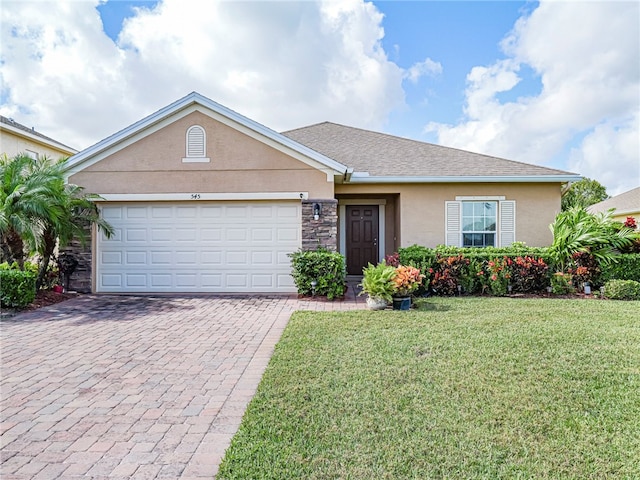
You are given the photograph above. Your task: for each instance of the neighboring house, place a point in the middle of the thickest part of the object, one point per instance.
(203, 199)
(16, 138)
(626, 204)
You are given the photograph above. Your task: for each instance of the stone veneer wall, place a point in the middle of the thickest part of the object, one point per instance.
(80, 280)
(324, 231)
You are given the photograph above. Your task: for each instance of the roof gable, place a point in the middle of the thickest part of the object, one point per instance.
(183, 107)
(379, 157)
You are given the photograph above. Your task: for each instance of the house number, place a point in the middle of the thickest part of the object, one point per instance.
(195, 196)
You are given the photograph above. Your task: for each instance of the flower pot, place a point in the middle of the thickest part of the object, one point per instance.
(376, 303)
(401, 303)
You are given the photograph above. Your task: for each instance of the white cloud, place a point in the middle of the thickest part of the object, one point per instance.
(610, 155)
(420, 69)
(284, 64)
(587, 56)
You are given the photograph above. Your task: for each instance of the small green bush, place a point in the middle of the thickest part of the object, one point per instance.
(562, 284)
(17, 288)
(622, 290)
(325, 267)
(377, 281)
(625, 267)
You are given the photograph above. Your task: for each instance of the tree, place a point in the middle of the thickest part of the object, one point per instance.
(78, 211)
(583, 194)
(25, 201)
(39, 211)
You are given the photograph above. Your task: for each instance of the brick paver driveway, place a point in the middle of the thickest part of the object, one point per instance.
(133, 387)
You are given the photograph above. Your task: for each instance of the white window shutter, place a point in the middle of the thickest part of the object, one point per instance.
(453, 223)
(507, 222)
(196, 142)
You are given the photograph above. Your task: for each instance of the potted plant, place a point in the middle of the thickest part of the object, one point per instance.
(406, 280)
(377, 284)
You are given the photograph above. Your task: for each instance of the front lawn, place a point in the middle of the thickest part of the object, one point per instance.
(472, 388)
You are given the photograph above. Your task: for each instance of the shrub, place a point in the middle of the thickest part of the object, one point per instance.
(585, 268)
(528, 274)
(498, 273)
(622, 290)
(448, 274)
(377, 281)
(17, 288)
(562, 283)
(406, 280)
(325, 267)
(626, 267)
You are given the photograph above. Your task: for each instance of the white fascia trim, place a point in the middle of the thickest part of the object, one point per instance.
(195, 196)
(482, 198)
(187, 105)
(469, 179)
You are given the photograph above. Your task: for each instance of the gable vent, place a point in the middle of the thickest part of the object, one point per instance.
(195, 142)
(196, 145)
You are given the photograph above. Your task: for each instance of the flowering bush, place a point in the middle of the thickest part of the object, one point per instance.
(528, 274)
(448, 274)
(584, 268)
(499, 275)
(406, 280)
(631, 223)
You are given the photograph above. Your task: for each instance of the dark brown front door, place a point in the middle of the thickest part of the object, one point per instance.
(362, 237)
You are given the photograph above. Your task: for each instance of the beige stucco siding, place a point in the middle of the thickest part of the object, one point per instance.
(238, 163)
(422, 208)
(12, 145)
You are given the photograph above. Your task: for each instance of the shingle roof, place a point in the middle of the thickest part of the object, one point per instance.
(12, 123)
(383, 155)
(626, 202)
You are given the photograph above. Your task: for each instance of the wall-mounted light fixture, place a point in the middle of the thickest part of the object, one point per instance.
(316, 211)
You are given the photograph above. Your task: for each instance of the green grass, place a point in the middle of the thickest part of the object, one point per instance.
(468, 388)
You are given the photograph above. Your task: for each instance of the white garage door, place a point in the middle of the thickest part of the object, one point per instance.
(198, 247)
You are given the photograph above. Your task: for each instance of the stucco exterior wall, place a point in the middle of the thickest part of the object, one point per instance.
(238, 163)
(422, 208)
(12, 144)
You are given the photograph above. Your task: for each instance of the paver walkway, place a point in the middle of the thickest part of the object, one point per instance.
(141, 387)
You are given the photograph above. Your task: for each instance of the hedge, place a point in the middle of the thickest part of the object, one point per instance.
(325, 267)
(17, 288)
(626, 267)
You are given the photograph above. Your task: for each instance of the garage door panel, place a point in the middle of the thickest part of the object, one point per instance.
(135, 280)
(211, 247)
(136, 258)
(136, 213)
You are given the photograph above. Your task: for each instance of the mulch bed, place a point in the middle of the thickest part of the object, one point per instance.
(44, 298)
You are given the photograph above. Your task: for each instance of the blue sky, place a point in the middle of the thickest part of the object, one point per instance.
(554, 83)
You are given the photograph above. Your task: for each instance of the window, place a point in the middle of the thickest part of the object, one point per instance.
(31, 154)
(479, 220)
(196, 145)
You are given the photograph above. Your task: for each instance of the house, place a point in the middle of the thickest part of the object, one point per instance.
(203, 199)
(16, 138)
(626, 204)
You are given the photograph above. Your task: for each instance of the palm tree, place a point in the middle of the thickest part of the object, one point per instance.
(576, 230)
(25, 201)
(38, 211)
(78, 212)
